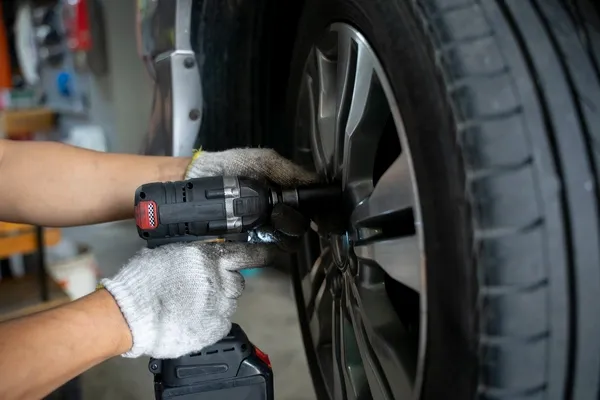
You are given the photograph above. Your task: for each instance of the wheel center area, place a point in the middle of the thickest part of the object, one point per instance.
(340, 248)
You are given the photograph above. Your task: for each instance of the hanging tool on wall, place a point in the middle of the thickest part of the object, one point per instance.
(5, 67)
(85, 25)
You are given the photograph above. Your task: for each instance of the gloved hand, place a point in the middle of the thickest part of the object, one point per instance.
(179, 298)
(287, 224)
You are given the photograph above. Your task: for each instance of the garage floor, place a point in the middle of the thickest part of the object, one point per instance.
(266, 312)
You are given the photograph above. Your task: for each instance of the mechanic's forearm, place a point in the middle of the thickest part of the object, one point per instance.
(53, 184)
(40, 352)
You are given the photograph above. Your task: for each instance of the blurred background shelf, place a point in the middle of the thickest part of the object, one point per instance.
(22, 239)
(20, 123)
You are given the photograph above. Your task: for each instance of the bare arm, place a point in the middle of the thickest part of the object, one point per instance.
(53, 184)
(39, 353)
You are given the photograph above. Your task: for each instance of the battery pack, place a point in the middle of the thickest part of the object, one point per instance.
(231, 369)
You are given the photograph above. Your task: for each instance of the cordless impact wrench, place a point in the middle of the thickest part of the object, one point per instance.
(218, 207)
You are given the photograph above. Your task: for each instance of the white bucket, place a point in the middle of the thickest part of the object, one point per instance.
(91, 137)
(78, 275)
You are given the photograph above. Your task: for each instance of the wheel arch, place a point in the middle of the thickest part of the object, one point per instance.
(243, 50)
(279, 36)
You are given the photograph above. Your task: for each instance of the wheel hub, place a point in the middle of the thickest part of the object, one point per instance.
(350, 124)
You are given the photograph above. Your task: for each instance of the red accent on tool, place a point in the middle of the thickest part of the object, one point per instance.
(146, 215)
(263, 357)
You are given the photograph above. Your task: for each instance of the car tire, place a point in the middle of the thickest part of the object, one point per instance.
(243, 69)
(227, 43)
(501, 103)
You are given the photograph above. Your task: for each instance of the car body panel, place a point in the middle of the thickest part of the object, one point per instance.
(163, 29)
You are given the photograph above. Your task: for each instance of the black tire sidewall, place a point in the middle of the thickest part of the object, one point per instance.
(227, 41)
(393, 30)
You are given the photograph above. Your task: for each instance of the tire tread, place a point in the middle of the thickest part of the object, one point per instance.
(468, 82)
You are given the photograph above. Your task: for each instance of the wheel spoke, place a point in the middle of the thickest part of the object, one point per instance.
(320, 86)
(400, 258)
(357, 386)
(313, 280)
(326, 107)
(346, 71)
(393, 194)
(339, 369)
(317, 298)
(387, 349)
(320, 322)
(362, 112)
(315, 141)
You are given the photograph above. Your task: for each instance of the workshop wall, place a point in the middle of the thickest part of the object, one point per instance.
(113, 95)
(120, 101)
(130, 85)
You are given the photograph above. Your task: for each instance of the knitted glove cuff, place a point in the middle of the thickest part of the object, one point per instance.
(190, 170)
(136, 307)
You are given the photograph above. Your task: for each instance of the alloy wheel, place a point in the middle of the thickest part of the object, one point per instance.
(361, 291)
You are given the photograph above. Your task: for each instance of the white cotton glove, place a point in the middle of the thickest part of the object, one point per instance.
(179, 298)
(287, 225)
(261, 164)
